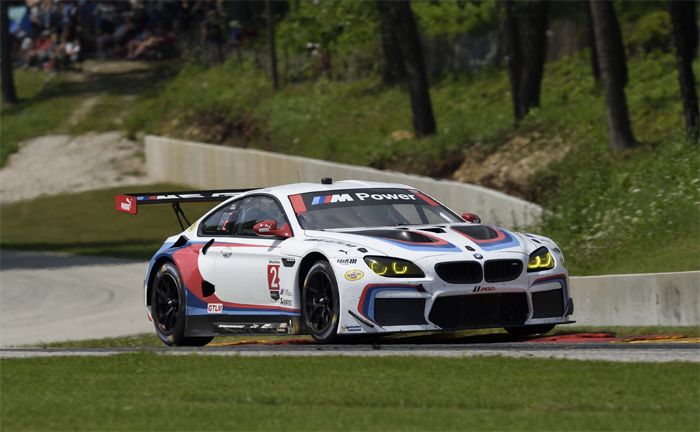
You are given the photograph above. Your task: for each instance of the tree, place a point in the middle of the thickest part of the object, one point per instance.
(393, 70)
(8, 82)
(271, 43)
(400, 17)
(525, 32)
(685, 37)
(613, 67)
(595, 67)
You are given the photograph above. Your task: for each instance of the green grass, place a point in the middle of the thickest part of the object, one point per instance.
(633, 212)
(87, 223)
(150, 340)
(54, 103)
(147, 391)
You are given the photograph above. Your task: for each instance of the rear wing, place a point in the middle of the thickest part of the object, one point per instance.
(130, 202)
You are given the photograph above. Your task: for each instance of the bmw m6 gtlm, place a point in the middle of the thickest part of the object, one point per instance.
(344, 258)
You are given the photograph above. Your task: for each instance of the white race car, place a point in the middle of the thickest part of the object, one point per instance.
(345, 258)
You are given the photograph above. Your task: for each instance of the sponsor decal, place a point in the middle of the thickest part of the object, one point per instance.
(215, 308)
(355, 328)
(360, 196)
(338, 242)
(286, 302)
(126, 204)
(347, 261)
(288, 262)
(273, 279)
(480, 288)
(354, 275)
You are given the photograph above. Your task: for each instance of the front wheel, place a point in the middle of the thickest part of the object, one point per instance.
(168, 308)
(529, 330)
(321, 302)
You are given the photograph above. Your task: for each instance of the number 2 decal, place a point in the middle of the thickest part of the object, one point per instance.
(273, 280)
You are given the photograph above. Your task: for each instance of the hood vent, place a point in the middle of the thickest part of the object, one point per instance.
(400, 235)
(477, 232)
(434, 230)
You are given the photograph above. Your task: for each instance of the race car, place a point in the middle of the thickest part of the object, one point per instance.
(344, 258)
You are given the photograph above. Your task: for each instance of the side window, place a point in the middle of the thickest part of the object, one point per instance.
(221, 222)
(257, 209)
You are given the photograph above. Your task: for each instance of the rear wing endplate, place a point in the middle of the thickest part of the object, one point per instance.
(130, 202)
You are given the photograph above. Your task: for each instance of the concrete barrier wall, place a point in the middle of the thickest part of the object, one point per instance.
(669, 299)
(653, 299)
(212, 166)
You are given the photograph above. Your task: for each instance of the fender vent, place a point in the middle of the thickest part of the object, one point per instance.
(180, 242)
(207, 289)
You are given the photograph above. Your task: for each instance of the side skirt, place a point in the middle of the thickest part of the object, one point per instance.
(218, 325)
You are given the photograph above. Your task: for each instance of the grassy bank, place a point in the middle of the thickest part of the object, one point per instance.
(87, 223)
(95, 99)
(601, 203)
(145, 391)
(636, 211)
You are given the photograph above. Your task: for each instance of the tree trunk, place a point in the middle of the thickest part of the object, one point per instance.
(393, 70)
(611, 54)
(400, 15)
(685, 32)
(595, 67)
(525, 34)
(271, 44)
(8, 82)
(533, 37)
(513, 58)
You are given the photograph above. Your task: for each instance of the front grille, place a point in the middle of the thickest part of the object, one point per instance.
(479, 310)
(502, 270)
(548, 304)
(399, 311)
(460, 272)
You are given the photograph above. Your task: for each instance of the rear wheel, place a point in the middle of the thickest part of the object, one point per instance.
(321, 303)
(529, 330)
(168, 308)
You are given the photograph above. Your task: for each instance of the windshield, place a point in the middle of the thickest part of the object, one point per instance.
(356, 208)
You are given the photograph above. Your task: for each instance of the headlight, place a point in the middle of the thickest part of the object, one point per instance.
(393, 267)
(541, 259)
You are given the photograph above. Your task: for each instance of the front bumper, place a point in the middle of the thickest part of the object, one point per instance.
(432, 305)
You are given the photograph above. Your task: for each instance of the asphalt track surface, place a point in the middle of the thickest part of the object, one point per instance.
(46, 297)
(49, 297)
(623, 352)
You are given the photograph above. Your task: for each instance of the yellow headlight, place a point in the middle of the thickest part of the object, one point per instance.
(393, 267)
(541, 259)
(398, 268)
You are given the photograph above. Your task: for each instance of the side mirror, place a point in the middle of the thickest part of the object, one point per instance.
(268, 228)
(471, 217)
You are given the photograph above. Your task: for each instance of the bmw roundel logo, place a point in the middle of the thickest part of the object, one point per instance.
(478, 256)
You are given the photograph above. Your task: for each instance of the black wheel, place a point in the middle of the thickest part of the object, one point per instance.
(321, 302)
(168, 308)
(530, 330)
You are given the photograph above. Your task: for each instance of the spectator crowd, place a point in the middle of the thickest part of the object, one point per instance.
(59, 34)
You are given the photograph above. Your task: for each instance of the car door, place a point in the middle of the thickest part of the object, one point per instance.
(247, 265)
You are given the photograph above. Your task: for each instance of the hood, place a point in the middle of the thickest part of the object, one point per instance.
(420, 241)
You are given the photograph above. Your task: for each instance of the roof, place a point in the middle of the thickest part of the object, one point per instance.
(297, 188)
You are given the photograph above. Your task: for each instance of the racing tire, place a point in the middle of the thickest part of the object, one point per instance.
(321, 303)
(529, 330)
(168, 307)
